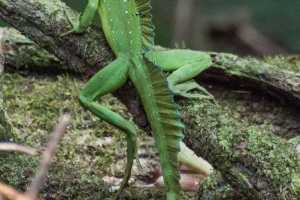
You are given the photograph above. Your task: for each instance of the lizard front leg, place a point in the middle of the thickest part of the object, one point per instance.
(106, 81)
(184, 65)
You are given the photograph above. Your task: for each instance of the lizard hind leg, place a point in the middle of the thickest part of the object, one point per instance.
(106, 81)
(184, 65)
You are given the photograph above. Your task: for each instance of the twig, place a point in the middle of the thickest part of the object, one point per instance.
(17, 148)
(48, 154)
(32, 192)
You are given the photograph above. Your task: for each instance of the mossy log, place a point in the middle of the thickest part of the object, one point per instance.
(45, 21)
(274, 79)
(258, 165)
(278, 77)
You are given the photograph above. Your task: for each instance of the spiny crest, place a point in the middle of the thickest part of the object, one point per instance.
(144, 11)
(169, 118)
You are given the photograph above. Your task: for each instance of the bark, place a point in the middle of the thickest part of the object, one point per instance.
(255, 74)
(20, 53)
(258, 165)
(45, 21)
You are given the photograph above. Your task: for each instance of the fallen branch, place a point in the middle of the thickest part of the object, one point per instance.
(45, 21)
(23, 53)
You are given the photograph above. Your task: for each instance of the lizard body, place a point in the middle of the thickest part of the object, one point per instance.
(129, 31)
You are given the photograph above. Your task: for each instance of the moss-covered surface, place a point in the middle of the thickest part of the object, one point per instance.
(5, 133)
(252, 159)
(214, 187)
(260, 110)
(291, 63)
(5, 130)
(34, 103)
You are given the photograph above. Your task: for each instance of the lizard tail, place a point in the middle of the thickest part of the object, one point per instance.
(164, 118)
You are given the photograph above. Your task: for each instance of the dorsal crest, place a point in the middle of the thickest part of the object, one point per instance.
(144, 11)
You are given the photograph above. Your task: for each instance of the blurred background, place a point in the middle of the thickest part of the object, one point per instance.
(246, 27)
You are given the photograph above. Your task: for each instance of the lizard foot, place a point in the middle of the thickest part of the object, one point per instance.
(191, 90)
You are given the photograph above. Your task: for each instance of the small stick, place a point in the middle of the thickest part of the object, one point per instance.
(17, 148)
(31, 194)
(48, 154)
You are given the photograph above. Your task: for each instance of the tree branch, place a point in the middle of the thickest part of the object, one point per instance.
(22, 53)
(44, 21)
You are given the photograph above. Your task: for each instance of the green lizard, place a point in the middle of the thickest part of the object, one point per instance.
(129, 31)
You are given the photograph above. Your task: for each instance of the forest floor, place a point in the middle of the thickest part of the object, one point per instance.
(91, 155)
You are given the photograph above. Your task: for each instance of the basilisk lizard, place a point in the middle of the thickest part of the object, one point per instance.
(129, 31)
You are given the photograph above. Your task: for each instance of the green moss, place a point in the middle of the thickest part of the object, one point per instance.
(241, 151)
(17, 169)
(215, 188)
(291, 63)
(34, 105)
(5, 130)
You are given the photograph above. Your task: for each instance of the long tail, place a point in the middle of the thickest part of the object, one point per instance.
(164, 118)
